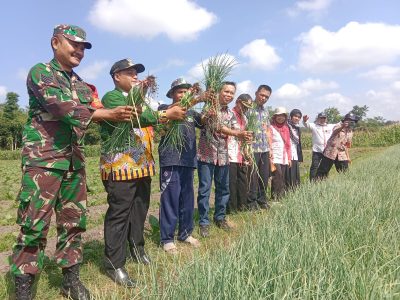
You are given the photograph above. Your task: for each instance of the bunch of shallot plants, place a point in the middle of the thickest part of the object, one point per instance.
(128, 134)
(216, 70)
(247, 148)
(173, 130)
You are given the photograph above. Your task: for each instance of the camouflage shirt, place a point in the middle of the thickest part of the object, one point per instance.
(59, 113)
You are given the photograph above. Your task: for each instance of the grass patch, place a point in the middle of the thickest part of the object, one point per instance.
(338, 239)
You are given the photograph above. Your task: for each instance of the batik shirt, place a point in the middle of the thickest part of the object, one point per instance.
(135, 162)
(59, 113)
(235, 151)
(261, 135)
(337, 143)
(213, 146)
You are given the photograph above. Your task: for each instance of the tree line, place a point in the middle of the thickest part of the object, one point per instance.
(13, 119)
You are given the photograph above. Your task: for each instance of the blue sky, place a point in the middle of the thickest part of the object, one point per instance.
(313, 53)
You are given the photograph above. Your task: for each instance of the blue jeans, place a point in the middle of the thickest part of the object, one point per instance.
(221, 180)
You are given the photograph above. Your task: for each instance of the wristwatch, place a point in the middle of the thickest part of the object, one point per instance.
(162, 116)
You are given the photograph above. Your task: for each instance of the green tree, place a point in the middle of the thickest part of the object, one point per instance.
(373, 122)
(332, 115)
(12, 120)
(360, 111)
(11, 106)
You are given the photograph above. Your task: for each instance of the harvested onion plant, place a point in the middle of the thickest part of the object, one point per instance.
(247, 148)
(173, 131)
(216, 70)
(128, 134)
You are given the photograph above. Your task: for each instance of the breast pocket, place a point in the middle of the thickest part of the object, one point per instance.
(84, 93)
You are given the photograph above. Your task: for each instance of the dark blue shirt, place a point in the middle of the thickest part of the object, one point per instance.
(187, 156)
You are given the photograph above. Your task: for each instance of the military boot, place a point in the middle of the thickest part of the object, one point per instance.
(72, 287)
(23, 286)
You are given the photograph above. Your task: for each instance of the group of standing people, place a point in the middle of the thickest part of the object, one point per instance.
(239, 153)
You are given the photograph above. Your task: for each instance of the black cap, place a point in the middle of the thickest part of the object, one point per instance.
(321, 115)
(351, 117)
(124, 64)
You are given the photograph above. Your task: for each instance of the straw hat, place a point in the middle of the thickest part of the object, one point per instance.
(280, 111)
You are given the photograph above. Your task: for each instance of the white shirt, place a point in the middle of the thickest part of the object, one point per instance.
(294, 150)
(279, 156)
(320, 135)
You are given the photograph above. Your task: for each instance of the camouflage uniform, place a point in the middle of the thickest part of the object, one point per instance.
(53, 168)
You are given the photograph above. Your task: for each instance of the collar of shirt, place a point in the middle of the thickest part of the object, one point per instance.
(56, 66)
(259, 107)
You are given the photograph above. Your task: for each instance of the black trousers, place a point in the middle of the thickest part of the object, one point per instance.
(238, 187)
(124, 221)
(280, 181)
(294, 174)
(315, 161)
(259, 181)
(326, 165)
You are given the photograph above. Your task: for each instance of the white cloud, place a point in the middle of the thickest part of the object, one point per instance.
(382, 103)
(352, 46)
(383, 73)
(260, 54)
(336, 98)
(178, 19)
(154, 103)
(91, 72)
(22, 74)
(343, 103)
(3, 93)
(245, 87)
(396, 85)
(318, 85)
(196, 73)
(313, 7)
(174, 62)
(290, 91)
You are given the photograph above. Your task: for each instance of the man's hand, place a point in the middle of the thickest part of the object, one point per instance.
(176, 113)
(305, 118)
(245, 135)
(117, 114)
(345, 124)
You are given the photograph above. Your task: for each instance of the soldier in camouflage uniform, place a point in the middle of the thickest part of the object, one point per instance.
(53, 164)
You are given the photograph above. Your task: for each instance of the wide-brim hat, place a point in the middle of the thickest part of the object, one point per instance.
(280, 111)
(72, 33)
(179, 83)
(124, 64)
(246, 100)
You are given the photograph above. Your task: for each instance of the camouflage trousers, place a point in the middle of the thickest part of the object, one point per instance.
(43, 190)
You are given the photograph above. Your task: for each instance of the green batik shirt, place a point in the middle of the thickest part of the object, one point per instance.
(59, 113)
(116, 98)
(137, 161)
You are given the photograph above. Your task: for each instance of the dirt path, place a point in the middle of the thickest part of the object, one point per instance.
(92, 234)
